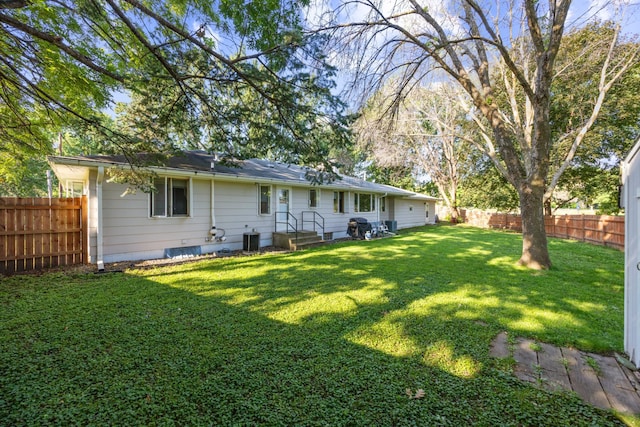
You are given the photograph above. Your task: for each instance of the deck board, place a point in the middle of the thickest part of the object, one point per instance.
(584, 380)
(554, 372)
(621, 394)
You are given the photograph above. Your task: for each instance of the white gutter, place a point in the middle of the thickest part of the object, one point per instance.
(99, 258)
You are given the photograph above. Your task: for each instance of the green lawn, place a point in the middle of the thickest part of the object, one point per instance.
(330, 336)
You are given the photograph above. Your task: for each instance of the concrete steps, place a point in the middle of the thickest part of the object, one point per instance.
(304, 239)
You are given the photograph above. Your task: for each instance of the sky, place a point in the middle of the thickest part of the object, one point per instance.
(627, 12)
(581, 12)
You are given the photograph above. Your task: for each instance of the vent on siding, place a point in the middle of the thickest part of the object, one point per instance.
(185, 252)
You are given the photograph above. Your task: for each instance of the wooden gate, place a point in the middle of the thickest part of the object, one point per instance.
(37, 233)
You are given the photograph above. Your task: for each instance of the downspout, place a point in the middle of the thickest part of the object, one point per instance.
(213, 213)
(99, 249)
(380, 205)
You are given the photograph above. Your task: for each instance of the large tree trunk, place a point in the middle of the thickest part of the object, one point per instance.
(535, 253)
(455, 212)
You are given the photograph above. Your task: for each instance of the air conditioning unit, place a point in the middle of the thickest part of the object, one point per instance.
(251, 242)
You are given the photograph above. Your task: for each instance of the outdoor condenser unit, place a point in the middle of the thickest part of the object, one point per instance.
(251, 242)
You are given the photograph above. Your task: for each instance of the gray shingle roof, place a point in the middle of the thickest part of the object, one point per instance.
(200, 162)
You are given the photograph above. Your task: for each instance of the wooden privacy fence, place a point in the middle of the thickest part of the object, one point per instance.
(37, 233)
(604, 230)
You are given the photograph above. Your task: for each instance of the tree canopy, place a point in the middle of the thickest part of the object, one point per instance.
(225, 76)
(468, 42)
(426, 135)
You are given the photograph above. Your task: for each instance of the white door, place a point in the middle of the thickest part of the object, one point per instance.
(282, 208)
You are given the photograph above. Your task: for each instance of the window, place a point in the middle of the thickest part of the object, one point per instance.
(338, 201)
(179, 189)
(313, 198)
(364, 202)
(75, 188)
(383, 204)
(265, 200)
(170, 198)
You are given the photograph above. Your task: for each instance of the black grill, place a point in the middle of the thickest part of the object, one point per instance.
(357, 227)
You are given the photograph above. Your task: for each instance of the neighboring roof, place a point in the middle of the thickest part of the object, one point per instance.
(200, 162)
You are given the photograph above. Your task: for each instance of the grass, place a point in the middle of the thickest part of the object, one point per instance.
(385, 332)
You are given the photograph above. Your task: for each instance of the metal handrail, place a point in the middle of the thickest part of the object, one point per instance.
(314, 220)
(287, 222)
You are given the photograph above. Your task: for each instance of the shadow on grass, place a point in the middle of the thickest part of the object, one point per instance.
(332, 336)
(455, 272)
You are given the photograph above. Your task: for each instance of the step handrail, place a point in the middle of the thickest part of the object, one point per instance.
(315, 221)
(289, 216)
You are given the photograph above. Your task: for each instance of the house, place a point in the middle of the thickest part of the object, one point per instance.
(630, 201)
(202, 206)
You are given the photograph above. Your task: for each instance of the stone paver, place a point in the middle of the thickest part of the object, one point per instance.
(554, 373)
(584, 380)
(599, 380)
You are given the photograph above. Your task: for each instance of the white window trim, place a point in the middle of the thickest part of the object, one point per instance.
(345, 202)
(356, 202)
(69, 188)
(166, 198)
(318, 193)
(259, 187)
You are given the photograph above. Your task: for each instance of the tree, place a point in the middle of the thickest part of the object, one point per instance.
(483, 187)
(464, 40)
(594, 170)
(401, 176)
(205, 69)
(23, 177)
(426, 135)
(591, 63)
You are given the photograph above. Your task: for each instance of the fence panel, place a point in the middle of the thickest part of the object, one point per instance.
(604, 230)
(37, 233)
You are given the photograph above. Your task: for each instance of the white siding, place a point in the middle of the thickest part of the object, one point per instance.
(131, 234)
(335, 222)
(384, 215)
(409, 213)
(236, 212)
(631, 201)
(430, 214)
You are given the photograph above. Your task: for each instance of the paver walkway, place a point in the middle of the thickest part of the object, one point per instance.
(602, 381)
